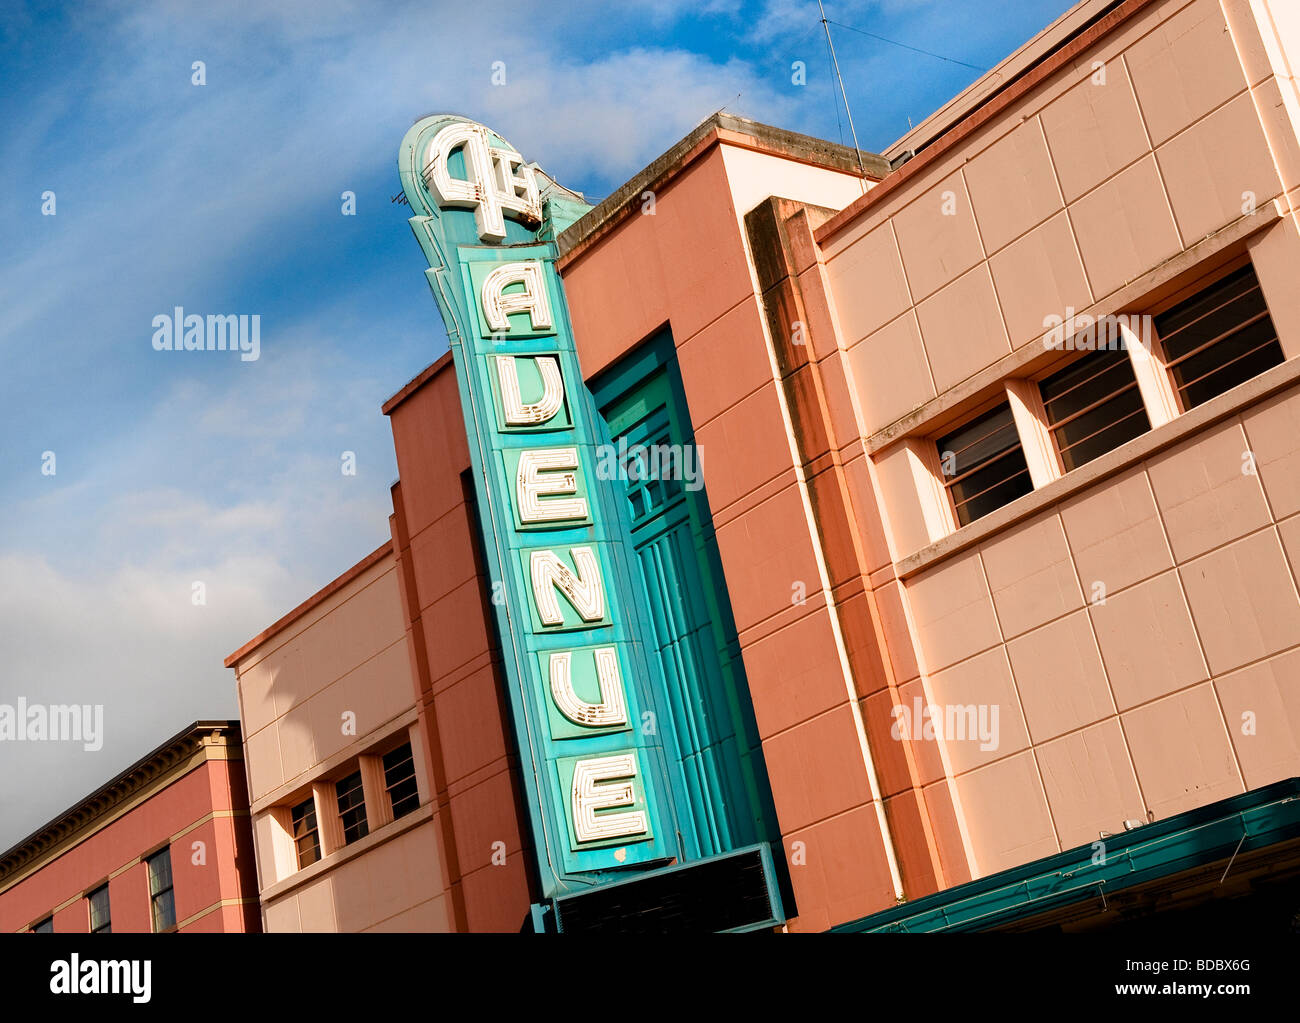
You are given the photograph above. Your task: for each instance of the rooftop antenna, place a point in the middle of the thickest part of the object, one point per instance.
(840, 78)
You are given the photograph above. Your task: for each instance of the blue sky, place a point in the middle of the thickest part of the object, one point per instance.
(173, 468)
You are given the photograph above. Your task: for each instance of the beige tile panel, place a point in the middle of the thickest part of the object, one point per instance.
(1115, 533)
(1038, 276)
(937, 237)
(952, 612)
(1012, 185)
(1148, 641)
(1090, 784)
(1030, 574)
(1006, 814)
(1261, 705)
(964, 698)
(1273, 436)
(1181, 752)
(1059, 677)
(1094, 131)
(1218, 169)
(891, 373)
(1205, 497)
(1124, 228)
(1243, 601)
(868, 284)
(1184, 69)
(962, 328)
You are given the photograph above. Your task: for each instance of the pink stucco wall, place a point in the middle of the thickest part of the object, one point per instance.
(212, 865)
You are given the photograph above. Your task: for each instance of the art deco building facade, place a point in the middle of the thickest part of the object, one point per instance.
(981, 610)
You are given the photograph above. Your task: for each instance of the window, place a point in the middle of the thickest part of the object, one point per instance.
(306, 835)
(399, 779)
(1219, 338)
(352, 808)
(99, 914)
(1093, 405)
(46, 926)
(160, 890)
(983, 465)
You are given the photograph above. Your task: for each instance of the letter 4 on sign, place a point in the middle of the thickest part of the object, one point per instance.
(599, 793)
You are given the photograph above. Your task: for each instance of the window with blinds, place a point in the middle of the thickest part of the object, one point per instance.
(1092, 406)
(399, 780)
(1218, 338)
(983, 465)
(161, 895)
(100, 922)
(306, 834)
(352, 808)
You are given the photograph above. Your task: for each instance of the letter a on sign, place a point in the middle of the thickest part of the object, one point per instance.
(498, 306)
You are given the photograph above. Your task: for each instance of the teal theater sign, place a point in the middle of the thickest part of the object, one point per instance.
(582, 690)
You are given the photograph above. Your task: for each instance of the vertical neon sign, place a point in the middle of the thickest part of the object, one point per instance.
(574, 641)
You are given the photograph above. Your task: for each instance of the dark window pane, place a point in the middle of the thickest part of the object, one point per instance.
(160, 889)
(306, 836)
(160, 871)
(99, 911)
(399, 778)
(352, 808)
(164, 911)
(1219, 338)
(984, 465)
(1093, 405)
(46, 926)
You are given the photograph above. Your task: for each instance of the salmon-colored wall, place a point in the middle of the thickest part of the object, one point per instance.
(1173, 692)
(687, 266)
(455, 656)
(225, 876)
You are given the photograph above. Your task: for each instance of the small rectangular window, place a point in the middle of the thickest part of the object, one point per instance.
(46, 926)
(160, 890)
(983, 465)
(352, 808)
(306, 835)
(1219, 338)
(399, 779)
(100, 923)
(1093, 405)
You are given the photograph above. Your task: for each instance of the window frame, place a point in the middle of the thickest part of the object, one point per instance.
(314, 832)
(106, 925)
(169, 890)
(1187, 293)
(339, 793)
(953, 425)
(413, 778)
(1051, 429)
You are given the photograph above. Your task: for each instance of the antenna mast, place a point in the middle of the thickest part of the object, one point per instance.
(840, 78)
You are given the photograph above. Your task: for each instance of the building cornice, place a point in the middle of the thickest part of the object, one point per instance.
(188, 749)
